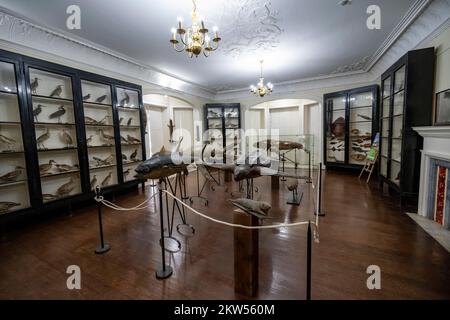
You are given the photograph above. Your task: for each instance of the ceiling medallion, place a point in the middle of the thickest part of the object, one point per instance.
(195, 39)
(261, 89)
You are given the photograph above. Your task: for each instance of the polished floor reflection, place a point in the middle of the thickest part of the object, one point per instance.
(361, 228)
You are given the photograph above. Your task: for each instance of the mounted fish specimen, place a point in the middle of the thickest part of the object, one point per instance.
(6, 206)
(125, 100)
(37, 111)
(338, 127)
(87, 97)
(66, 188)
(94, 181)
(126, 173)
(171, 126)
(101, 98)
(9, 142)
(282, 145)
(57, 92)
(159, 166)
(364, 116)
(107, 180)
(12, 176)
(132, 139)
(48, 197)
(129, 121)
(46, 167)
(259, 209)
(34, 85)
(58, 114)
(106, 136)
(134, 155)
(66, 138)
(42, 138)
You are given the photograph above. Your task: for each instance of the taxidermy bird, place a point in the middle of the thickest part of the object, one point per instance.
(66, 188)
(37, 111)
(87, 97)
(125, 100)
(58, 114)
(107, 179)
(65, 167)
(133, 155)
(13, 175)
(66, 138)
(122, 139)
(259, 209)
(103, 120)
(10, 142)
(48, 197)
(42, 138)
(89, 140)
(94, 181)
(120, 120)
(5, 206)
(124, 157)
(44, 168)
(105, 136)
(126, 173)
(89, 120)
(57, 92)
(129, 121)
(132, 139)
(34, 85)
(101, 98)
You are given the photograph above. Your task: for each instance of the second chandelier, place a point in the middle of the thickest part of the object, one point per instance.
(261, 89)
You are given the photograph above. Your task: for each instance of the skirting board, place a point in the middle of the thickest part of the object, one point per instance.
(436, 231)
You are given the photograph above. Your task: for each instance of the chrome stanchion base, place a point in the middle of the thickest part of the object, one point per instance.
(164, 273)
(100, 250)
(186, 229)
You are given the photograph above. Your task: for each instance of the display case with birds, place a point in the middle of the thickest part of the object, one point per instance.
(132, 139)
(6, 206)
(66, 138)
(12, 176)
(134, 155)
(107, 180)
(107, 137)
(46, 167)
(37, 111)
(126, 99)
(101, 98)
(9, 142)
(58, 114)
(34, 85)
(129, 121)
(126, 173)
(41, 139)
(56, 93)
(65, 189)
(94, 182)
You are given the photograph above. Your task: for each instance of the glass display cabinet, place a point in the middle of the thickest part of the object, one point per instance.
(14, 192)
(351, 122)
(55, 133)
(407, 96)
(130, 131)
(223, 122)
(100, 135)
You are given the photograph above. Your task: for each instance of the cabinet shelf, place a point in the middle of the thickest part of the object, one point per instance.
(129, 127)
(49, 175)
(100, 125)
(48, 98)
(8, 92)
(96, 104)
(40, 124)
(57, 149)
(9, 123)
(102, 167)
(131, 144)
(101, 146)
(11, 152)
(128, 162)
(128, 108)
(13, 183)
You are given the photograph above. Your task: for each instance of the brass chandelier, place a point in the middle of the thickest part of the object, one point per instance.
(195, 39)
(261, 89)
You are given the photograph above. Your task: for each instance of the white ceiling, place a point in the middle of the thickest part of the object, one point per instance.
(298, 39)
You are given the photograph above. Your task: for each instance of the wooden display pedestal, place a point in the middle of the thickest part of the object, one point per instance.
(246, 253)
(275, 182)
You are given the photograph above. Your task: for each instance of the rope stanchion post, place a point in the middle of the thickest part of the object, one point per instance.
(319, 193)
(104, 247)
(308, 262)
(165, 271)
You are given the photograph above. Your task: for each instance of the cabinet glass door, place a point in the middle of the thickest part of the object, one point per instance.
(56, 136)
(100, 136)
(361, 110)
(335, 131)
(14, 193)
(385, 142)
(130, 131)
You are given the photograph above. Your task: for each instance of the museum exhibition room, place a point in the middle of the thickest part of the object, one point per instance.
(232, 150)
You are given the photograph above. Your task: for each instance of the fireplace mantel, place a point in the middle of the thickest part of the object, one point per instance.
(436, 146)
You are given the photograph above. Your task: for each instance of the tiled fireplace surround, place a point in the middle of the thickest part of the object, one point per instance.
(435, 153)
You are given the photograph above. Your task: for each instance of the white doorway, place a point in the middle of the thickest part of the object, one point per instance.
(155, 116)
(184, 119)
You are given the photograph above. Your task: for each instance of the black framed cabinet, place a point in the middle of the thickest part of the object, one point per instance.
(407, 99)
(64, 131)
(223, 122)
(350, 124)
